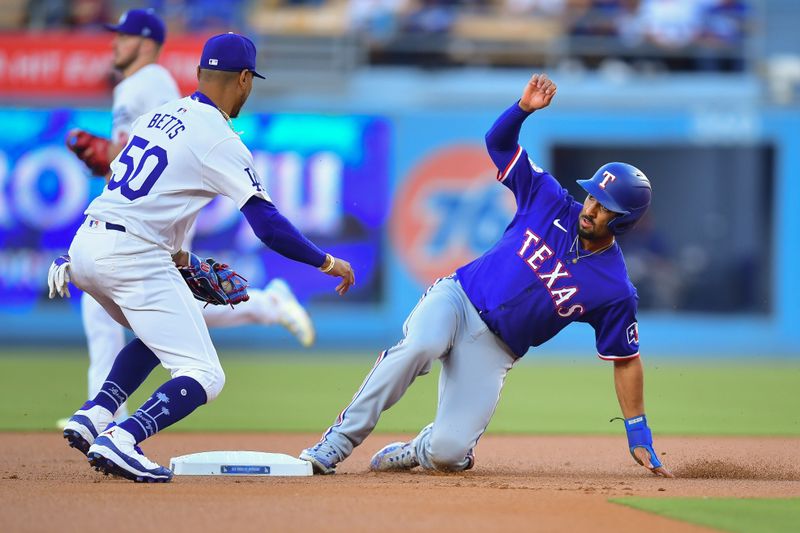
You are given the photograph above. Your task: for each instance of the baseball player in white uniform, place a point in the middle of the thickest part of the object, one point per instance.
(145, 86)
(178, 158)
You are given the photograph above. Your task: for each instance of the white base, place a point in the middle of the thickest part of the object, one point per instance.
(239, 463)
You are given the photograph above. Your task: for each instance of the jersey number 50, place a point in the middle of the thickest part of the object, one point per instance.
(133, 168)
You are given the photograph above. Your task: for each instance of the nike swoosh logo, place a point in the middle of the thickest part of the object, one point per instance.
(557, 224)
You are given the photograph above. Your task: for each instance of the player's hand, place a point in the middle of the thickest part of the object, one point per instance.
(642, 456)
(340, 269)
(181, 258)
(538, 93)
(640, 444)
(58, 277)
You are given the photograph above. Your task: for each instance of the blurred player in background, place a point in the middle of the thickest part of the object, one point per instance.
(185, 153)
(146, 85)
(557, 263)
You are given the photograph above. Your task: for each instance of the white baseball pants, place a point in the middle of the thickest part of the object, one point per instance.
(138, 285)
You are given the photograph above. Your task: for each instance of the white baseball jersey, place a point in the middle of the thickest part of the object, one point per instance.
(147, 88)
(178, 158)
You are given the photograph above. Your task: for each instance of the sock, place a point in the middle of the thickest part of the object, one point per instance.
(131, 367)
(172, 401)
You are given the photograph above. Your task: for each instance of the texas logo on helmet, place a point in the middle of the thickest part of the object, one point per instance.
(607, 176)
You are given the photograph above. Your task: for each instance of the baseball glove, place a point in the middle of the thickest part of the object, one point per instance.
(90, 149)
(214, 283)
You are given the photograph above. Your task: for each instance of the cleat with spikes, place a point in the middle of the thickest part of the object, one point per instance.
(394, 457)
(115, 452)
(323, 458)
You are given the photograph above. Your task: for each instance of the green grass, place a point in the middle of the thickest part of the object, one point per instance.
(298, 392)
(727, 514)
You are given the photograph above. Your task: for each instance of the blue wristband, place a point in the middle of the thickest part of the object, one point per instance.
(640, 436)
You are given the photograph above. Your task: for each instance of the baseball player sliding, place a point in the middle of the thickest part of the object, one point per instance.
(146, 85)
(557, 263)
(178, 157)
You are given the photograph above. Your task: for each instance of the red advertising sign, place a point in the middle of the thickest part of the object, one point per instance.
(78, 65)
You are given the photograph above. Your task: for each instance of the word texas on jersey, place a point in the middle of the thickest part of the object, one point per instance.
(528, 287)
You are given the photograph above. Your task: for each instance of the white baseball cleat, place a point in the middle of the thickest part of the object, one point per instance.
(83, 427)
(323, 457)
(398, 455)
(395, 456)
(291, 314)
(115, 452)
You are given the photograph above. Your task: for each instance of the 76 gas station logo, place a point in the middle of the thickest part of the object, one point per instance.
(448, 210)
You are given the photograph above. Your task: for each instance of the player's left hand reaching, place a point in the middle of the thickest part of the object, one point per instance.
(333, 266)
(640, 444)
(538, 93)
(642, 456)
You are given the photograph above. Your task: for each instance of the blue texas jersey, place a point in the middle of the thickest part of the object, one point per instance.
(529, 285)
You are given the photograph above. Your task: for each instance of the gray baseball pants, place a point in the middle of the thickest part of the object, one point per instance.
(444, 325)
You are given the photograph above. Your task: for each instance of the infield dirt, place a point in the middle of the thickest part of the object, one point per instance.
(519, 483)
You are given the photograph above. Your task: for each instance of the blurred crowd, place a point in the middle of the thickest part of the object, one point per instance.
(678, 34)
(183, 16)
(656, 34)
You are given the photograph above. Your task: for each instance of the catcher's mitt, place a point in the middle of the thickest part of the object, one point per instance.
(214, 283)
(90, 149)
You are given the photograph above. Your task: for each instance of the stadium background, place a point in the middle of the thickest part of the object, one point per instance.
(369, 133)
(363, 104)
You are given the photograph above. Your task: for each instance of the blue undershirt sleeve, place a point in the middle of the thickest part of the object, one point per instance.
(502, 139)
(279, 234)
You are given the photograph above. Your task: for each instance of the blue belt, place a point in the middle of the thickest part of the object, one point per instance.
(115, 227)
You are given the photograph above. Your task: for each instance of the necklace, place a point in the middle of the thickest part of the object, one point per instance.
(577, 248)
(200, 97)
(230, 122)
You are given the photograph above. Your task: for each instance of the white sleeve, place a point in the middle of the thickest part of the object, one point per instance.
(122, 124)
(228, 169)
(141, 94)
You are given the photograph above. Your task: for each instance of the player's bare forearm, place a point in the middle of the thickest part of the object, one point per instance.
(629, 383)
(334, 266)
(538, 93)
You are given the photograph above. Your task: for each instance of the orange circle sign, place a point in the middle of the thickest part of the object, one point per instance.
(448, 210)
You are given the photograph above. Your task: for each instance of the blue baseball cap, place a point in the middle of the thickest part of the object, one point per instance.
(142, 22)
(230, 52)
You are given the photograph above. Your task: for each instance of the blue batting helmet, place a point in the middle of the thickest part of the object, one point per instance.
(623, 189)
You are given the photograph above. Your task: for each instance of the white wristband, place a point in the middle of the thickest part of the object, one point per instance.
(330, 267)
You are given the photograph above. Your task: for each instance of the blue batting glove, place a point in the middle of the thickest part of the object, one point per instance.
(640, 436)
